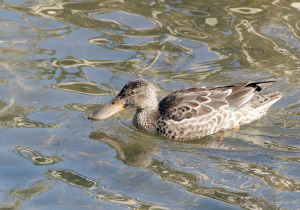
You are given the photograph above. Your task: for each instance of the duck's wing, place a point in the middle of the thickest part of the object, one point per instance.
(194, 102)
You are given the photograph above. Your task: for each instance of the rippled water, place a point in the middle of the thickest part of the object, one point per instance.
(60, 60)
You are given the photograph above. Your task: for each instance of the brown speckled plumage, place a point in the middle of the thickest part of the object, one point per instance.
(196, 112)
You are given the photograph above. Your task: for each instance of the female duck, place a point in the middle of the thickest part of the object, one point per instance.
(191, 112)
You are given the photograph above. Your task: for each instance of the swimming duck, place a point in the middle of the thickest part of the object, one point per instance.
(191, 113)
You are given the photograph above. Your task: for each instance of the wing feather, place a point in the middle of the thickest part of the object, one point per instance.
(194, 102)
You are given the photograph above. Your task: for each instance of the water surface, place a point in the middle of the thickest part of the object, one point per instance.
(60, 60)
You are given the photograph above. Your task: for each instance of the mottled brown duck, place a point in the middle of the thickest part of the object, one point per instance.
(191, 113)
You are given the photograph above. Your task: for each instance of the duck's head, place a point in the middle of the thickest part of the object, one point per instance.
(139, 94)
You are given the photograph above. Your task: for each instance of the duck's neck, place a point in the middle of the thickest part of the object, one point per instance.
(145, 119)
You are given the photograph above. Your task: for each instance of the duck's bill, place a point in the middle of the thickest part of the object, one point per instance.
(113, 107)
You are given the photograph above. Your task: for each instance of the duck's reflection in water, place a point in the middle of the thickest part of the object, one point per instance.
(143, 154)
(137, 153)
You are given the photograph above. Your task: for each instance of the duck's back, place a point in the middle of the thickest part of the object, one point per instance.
(195, 112)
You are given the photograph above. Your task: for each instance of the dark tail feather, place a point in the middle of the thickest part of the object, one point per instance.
(261, 85)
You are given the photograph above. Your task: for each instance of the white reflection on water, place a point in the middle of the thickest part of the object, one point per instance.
(296, 5)
(246, 10)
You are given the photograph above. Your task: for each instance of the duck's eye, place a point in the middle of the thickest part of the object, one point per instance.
(133, 92)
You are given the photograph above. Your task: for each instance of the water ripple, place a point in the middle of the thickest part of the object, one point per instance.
(60, 60)
(36, 157)
(73, 178)
(83, 87)
(132, 21)
(191, 32)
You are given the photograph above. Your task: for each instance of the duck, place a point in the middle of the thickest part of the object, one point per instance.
(191, 113)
